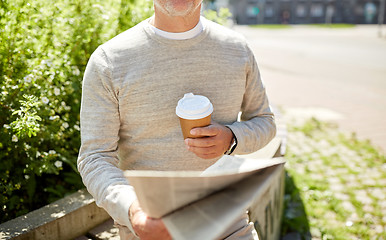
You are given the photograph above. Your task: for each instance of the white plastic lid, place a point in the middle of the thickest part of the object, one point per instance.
(193, 107)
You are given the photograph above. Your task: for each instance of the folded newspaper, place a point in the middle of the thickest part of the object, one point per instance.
(202, 205)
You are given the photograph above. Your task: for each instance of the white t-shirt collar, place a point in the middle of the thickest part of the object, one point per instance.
(181, 35)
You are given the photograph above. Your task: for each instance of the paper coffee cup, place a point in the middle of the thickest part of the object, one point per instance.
(193, 111)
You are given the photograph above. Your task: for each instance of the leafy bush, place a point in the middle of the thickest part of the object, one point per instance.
(45, 46)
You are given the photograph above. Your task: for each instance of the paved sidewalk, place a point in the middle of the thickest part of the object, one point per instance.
(334, 74)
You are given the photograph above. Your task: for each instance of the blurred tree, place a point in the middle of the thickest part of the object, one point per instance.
(220, 17)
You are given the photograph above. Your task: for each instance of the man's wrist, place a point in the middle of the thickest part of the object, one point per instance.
(232, 144)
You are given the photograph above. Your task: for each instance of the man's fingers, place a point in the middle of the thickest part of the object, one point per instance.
(216, 139)
(146, 227)
(201, 151)
(211, 130)
(204, 142)
(150, 228)
(206, 154)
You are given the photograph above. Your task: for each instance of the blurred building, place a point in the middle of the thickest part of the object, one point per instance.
(302, 11)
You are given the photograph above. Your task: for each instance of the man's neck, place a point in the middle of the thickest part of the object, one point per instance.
(177, 24)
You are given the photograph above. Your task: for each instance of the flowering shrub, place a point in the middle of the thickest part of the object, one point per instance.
(45, 46)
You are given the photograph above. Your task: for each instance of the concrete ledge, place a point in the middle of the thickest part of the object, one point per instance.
(66, 218)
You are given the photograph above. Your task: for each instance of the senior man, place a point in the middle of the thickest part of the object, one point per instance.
(130, 90)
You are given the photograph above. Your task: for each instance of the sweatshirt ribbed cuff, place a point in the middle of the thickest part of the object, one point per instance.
(237, 135)
(122, 206)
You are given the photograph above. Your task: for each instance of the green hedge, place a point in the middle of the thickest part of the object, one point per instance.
(45, 46)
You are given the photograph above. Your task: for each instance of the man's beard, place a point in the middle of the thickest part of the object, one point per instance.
(170, 9)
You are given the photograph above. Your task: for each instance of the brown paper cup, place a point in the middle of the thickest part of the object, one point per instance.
(187, 125)
(193, 111)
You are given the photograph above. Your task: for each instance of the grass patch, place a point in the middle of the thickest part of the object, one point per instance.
(271, 26)
(333, 25)
(334, 184)
(288, 26)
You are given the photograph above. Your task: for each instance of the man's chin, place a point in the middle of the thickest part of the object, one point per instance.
(180, 10)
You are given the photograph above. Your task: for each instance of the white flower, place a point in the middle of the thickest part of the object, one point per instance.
(56, 91)
(14, 138)
(6, 126)
(54, 117)
(51, 152)
(349, 223)
(45, 100)
(65, 125)
(58, 164)
(51, 77)
(26, 177)
(46, 62)
(77, 127)
(76, 72)
(37, 154)
(28, 78)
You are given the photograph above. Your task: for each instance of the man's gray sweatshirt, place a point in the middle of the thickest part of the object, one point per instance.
(131, 87)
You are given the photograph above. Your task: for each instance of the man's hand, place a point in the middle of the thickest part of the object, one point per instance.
(146, 227)
(216, 141)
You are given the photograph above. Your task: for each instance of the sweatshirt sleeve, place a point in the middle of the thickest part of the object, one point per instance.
(256, 127)
(98, 160)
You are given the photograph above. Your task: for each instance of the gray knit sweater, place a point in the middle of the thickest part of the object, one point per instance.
(130, 90)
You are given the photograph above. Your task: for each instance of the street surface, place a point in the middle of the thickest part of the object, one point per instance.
(339, 74)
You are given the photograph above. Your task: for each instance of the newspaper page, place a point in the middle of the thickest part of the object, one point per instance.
(186, 198)
(210, 217)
